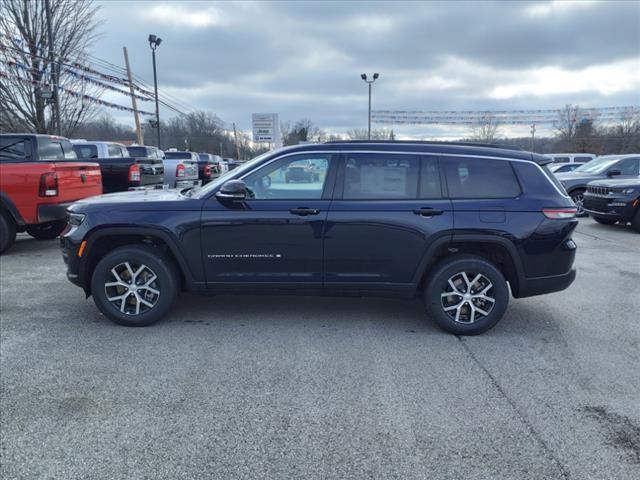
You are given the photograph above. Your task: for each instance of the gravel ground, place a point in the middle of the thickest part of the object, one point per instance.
(296, 387)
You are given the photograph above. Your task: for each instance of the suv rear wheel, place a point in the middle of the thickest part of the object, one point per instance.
(578, 198)
(466, 295)
(135, 285)
(7, 232)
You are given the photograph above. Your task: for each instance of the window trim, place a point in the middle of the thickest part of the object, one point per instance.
(342, 152)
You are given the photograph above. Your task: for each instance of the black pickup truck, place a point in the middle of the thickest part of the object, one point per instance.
(120, 171)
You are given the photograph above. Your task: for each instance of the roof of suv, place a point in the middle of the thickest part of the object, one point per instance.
(450, 148)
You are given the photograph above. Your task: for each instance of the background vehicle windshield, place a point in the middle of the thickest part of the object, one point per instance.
(598, 165)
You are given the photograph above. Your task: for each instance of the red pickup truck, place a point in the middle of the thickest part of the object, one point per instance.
(39, 177)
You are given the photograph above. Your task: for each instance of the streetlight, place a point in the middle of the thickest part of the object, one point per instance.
(369, 82)
(154, 42)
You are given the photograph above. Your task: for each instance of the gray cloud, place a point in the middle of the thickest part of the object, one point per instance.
(303, 59)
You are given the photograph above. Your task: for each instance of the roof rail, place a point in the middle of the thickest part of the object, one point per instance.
(426, 142)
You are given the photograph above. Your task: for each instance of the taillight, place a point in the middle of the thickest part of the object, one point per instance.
(48, 184)
(560, 213)
(207, 171)
(180, 170)
(134, 173)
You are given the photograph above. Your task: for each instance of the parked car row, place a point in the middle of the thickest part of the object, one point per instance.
(623, 167)
(41, 175)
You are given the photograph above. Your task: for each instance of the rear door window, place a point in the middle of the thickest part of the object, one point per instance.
(13, 149)
(86, 151)
(114, 150)
(380, 176)
(50, 149)
(582, 159)
(480, 178)
(561, 159)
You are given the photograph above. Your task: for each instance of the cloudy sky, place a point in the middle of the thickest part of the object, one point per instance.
(304, 59)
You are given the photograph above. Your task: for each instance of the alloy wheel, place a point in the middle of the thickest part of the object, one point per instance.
(468, 301)
(132, 288)
(578, 199)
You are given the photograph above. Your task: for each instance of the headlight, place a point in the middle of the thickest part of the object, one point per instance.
(628, 191)
(76, 219)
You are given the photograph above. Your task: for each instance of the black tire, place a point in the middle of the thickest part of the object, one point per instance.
(438, 283)
(46, 231)
(7, 232)
(166, 283)
(635, 222)
(578, 198)
(604, 220)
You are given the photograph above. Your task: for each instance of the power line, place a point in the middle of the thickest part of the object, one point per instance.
(79, 66)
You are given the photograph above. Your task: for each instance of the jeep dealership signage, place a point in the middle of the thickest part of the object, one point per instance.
(266, 128)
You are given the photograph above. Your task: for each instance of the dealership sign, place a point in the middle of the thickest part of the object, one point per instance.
(266, 127)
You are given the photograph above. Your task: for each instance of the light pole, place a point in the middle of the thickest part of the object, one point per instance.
(369, 82)
(154, 42)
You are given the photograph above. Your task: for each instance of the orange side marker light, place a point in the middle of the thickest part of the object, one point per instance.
(83, 245)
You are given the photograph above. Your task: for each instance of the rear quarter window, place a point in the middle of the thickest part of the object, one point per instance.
(480, 178)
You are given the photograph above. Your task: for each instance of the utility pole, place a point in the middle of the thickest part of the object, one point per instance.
(54, 70)
(133, 98)
(154, 42)
(533, 133)
(235, 134)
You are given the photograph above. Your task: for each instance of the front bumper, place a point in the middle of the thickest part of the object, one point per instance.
(52, 212)
(621, 208)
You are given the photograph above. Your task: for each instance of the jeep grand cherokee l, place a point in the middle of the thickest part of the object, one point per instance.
(453, 223)
(614, 200)
(575, 182)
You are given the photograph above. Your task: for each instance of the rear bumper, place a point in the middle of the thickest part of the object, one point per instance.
(541, 285)
(54, 212)
(187, 183)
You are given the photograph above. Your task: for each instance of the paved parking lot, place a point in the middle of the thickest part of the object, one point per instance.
(286, 387)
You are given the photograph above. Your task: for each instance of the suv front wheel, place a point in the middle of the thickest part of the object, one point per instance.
(135, 285)
(466, 295)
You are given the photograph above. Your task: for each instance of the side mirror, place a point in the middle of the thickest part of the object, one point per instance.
(613, 173)
(232, 190)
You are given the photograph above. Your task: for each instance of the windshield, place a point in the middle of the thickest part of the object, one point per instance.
(598, 165)
(237, 172)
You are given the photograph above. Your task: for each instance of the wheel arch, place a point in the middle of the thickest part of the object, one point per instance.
(499, 251)
(7, 205)
(104, 240)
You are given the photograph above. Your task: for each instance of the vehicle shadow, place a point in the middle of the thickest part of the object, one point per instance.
(27, 244)
(284, 310)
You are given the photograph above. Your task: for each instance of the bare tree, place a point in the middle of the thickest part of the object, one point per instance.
(486, 129)
(567, 122)
(363, 134)
(28, 70)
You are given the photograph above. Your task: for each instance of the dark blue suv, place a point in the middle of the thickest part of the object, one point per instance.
(453, 223)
